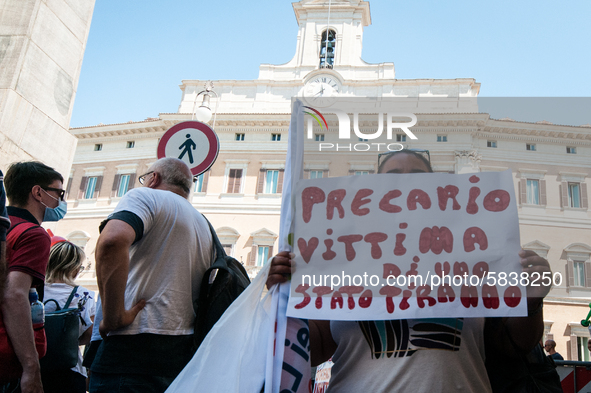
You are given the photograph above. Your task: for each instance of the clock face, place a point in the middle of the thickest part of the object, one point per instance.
(321, 90)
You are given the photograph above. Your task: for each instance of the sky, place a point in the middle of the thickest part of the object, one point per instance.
(138, 52)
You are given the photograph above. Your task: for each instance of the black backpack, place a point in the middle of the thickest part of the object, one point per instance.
(222, 283)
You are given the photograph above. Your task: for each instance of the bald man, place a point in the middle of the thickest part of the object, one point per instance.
(150, 257)
(550, 347)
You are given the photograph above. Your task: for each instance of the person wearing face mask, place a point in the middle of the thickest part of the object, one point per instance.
(34, 191)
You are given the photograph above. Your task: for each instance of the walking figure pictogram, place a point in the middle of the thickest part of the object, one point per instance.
(188, 145)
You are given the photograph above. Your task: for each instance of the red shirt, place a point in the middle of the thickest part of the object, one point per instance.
(30, 253)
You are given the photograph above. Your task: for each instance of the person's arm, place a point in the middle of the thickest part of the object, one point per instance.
(112, 269)
(84, 339)
(322, 345)
(524, 332)
(2, 269)
(16, 314)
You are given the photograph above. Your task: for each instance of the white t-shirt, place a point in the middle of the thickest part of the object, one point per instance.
(420, 355)
(84, 299)
(167, 264)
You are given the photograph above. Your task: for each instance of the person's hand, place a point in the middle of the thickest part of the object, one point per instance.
(31, 381)
(539, 286)
(280, 268)
(125, 319)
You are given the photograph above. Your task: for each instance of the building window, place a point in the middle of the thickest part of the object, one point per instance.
(98, 147)
(530, 147)
(582, 351)
(130, 144)
(90, 186)
(400, 137)
(276, 137)
(316, 174)
(228, 249)
(262, 255)
(533, 192)
(579, 273)
(239, 137)
(327, 48)
(123, 185)
(271, 181)
(319, 137)
(359, 173)
(574, 195)
(571, 150)
(441, 138)
(491, 144)
(234, 181)
(199, 183)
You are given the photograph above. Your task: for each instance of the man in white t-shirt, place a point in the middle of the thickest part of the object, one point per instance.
(150, 257)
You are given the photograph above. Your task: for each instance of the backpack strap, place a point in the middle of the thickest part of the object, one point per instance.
(219, 249)
(67, 305)
(57, 305)
(14, 233)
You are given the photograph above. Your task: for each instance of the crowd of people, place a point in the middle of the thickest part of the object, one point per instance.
(151, 255)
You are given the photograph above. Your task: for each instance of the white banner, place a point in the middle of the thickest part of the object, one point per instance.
(399, 246)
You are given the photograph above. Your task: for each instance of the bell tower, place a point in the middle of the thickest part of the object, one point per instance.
(330, 36)
(343, 19)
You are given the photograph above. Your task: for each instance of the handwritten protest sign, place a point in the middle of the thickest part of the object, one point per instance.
(396, 246)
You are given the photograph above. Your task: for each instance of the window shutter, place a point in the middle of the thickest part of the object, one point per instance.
(306, 173)
(69, 187)
(570, 272)
(253, 256)
(564, 194)
(270, 253)
(543, 192)
(523, 191)
(83, 184)
(97, 188)
(351, 172)
(204, 184)
(237, 180)
(280, 181)
(261, 181)
(231, 177)
(588, 274)
(584, 200)
(115, 185)
(131, 181)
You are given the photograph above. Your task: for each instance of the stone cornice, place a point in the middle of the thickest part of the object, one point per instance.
(266, 122)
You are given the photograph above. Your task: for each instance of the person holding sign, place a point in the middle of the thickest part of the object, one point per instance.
(436, 354)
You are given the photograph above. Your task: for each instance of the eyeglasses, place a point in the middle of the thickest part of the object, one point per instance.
(142, 178)
(60, 192)
(383, 157)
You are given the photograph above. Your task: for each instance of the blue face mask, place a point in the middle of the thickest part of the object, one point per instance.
(56, 213)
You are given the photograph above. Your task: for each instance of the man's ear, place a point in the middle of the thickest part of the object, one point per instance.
(156, 180)
(36, 192)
